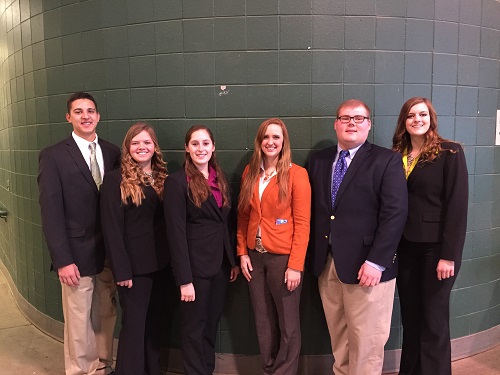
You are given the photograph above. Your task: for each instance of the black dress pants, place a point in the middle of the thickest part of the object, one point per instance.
(425, 310)
(199, 322)
(140, 336)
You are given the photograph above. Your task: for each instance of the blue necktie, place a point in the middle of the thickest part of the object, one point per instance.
(338, 174)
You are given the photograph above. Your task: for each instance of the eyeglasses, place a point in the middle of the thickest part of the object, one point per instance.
(347, 119)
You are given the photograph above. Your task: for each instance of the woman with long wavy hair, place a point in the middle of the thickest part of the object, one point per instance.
(274, 212)
(134, 232)
(196, 205)
(430, 252)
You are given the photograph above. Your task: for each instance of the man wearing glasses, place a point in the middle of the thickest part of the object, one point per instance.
(359, 210)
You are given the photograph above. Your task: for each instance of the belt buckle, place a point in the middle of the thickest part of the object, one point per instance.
(258, 245)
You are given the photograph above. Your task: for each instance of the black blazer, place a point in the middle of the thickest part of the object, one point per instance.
(134, 236)
(69, 201)
(438, 194)
(369, 214)
(198, 238)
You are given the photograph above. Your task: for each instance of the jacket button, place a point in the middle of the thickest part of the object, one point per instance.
(332, 217)
(326, 236)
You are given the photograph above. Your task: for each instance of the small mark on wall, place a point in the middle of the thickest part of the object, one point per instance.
(223, 90)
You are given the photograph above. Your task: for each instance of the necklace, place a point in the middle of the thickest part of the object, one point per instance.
(410, 159)
(149, 176)
(267, 176)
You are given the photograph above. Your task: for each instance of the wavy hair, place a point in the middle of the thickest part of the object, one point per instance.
(198, 186)
(401, 140)
(282, 168)
(133, 176)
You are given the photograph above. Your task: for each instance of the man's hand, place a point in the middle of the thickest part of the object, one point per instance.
(368, 275)
(69, 275)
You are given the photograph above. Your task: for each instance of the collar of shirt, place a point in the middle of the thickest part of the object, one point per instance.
(83, 145)
(263, 172)
(348, 159)
(212, 182)
(212, 178)
(275, 172)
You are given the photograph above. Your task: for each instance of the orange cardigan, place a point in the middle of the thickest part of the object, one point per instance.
(290, 237)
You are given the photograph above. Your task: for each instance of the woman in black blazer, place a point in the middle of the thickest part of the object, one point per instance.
(134, 232)
(196, 205)
(430, 251)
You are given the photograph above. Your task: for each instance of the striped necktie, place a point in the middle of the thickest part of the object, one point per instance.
(94, 166)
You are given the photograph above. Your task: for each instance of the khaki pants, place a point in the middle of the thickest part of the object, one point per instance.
(359, 322)
(89, 311)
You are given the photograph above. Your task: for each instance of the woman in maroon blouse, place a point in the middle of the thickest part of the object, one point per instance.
(196, 205)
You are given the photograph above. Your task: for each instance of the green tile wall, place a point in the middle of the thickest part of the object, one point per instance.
(230, 64)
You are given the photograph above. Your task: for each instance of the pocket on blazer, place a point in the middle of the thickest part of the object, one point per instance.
(431, 217)
(75, 232)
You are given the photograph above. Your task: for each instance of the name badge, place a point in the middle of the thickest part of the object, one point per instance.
(281, 221)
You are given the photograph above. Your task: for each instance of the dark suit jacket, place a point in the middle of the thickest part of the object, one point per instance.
(369, 214)
(69, 201)
(437, 202)
(134, 236)
(198, 238)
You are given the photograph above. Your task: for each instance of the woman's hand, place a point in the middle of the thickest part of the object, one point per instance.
(234, 273)
(127, 283)
(246, 266)
(292, 279)
(187, 292)
(445, 269)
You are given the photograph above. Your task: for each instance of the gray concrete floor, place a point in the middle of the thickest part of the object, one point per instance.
(25, 350)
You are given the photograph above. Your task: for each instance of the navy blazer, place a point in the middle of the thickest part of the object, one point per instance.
(134, 235)
(438, 194)
(369, 214)
(198, 238)
(69, 201)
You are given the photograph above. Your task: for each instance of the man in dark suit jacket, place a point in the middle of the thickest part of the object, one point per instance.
(69, 201)
(354, 240)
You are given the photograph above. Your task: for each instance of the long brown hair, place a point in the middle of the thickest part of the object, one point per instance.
(132, 174)
(198, 186)
(282, 168)
(401, 140)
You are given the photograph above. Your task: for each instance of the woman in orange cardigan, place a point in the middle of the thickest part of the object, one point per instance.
(274, 212)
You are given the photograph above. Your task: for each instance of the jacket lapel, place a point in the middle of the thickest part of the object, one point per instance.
(212, 203)
(106, 156)
(327, 174)
(77, 156)
(270, 186)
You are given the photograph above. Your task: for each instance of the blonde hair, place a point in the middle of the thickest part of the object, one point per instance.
(133, 176)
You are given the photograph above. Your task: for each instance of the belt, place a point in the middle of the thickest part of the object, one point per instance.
(258, 245)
